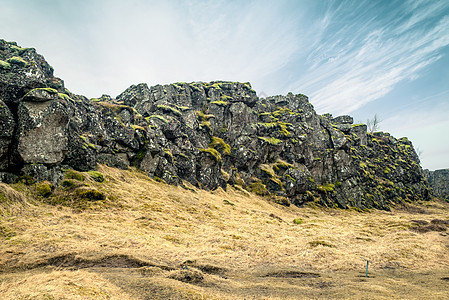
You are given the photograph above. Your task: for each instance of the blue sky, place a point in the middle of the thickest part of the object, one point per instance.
(389, 58)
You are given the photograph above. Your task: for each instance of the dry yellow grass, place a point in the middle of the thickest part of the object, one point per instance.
(151, 240)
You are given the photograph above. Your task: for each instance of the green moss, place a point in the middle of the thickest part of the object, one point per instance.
(282, 165)
(45, 188)
(159, 179)
(257, 188)
(205, 124)
(16, 60)
(328, 187)
(287, 176)
(48, 90)
(214, 153)
(25, 179)
(215, 86)
(220, 103)
(182, 108)
(223, 129)
(225, 98)
(169, 109)
(5, 65)
(202, 116)
(72, 174)
(270, 140)
(168, 152)
(64, 97)
(90, 194)
(268, 125)
(309, 196)
(95, 175)
(218, 144)
(137, 127)
(298, 221)
(311, 179)
(268, 170)
(387, 170)
(337, 183)
(284, 111)
(157, 117)
(68, 183)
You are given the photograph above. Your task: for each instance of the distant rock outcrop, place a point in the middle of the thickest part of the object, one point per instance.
(439, 182)
(208, 134)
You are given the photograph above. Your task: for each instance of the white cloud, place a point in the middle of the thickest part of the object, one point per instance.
(366, 66)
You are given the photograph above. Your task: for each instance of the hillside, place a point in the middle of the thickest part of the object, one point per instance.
(131, 237)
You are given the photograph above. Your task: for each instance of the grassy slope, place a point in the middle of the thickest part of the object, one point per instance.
(151, 240)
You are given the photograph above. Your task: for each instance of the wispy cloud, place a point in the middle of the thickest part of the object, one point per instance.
(362, 62)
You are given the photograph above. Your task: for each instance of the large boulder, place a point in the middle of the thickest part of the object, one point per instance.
(42, 132)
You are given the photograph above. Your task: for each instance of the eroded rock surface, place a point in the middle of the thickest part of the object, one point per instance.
(208, 134)
(439, 181)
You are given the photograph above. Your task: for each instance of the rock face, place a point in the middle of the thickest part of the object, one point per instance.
(208, 134)
(439, 181)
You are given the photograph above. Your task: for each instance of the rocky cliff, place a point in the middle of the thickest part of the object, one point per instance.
(208, 134)
(439, 182)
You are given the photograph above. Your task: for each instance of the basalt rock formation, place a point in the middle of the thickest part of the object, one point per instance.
(439, 182)
(208, 134)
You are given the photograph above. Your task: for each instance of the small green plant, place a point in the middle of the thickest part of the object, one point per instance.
(90, 194)
(72, 174)
(97, 176)
(220, 145)
(298, 221)
(45, 189)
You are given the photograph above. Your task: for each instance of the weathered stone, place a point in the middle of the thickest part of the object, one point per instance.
(40, 173)
(343, 120)
(439, 182)
(7, 125)
(41, 95)
(42, 136)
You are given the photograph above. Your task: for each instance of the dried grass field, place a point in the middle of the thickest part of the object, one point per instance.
(149, 240)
